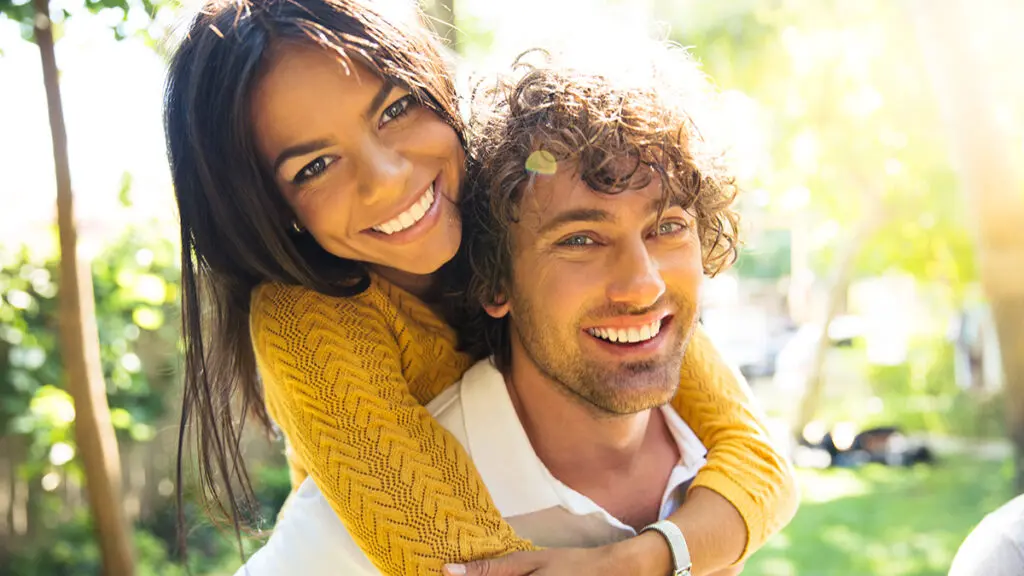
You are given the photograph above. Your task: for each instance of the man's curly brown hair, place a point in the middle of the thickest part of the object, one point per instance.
(616, 131)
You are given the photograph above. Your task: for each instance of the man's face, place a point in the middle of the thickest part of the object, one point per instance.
(604, 293)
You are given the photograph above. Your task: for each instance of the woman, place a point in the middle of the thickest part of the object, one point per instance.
(318, 157)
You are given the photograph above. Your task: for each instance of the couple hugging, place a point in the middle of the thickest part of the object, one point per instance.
(478, 338)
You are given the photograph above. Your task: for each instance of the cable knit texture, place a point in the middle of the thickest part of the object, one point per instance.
(346, 380)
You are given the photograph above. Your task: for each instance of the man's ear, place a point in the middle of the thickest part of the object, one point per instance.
(498, 308)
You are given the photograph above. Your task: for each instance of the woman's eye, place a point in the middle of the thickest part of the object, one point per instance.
(396, 109)
(313, 169)
(576, 241)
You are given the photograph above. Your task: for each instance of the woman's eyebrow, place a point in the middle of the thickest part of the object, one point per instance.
(299, 150)
(382, 95)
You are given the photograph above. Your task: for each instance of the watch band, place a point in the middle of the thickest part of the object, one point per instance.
(676, 544)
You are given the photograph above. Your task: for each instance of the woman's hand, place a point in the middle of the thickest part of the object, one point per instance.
(552, 562)
(644, 555)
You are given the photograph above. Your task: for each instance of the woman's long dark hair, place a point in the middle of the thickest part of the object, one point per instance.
(236, 227)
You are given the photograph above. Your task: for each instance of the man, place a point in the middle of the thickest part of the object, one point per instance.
(589, 267)
(996, 546)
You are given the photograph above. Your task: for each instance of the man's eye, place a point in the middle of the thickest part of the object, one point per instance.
(577, 240)
(396, 109)
(669, 228)
(313, 169)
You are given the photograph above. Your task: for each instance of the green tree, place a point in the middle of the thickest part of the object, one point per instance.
(843, 114)
(981, 147)
(94, 432)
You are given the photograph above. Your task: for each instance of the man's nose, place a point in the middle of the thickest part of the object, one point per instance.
(636, 277)
(383, 172)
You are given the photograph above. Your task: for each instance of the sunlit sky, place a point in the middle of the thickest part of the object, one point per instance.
(112, 94)
(113, 123)
(113, 97)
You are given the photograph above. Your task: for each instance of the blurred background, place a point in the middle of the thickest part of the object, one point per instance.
(877, 309)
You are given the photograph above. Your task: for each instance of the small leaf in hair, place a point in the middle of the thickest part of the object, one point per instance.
(542, 162)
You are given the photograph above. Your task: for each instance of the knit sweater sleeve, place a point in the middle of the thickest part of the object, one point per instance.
(402, 485)
(742, 464)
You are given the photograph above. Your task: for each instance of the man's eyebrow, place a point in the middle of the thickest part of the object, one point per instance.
(597, 215)
(299, 150)
(577, 215)
(658, 205)
(378, 99)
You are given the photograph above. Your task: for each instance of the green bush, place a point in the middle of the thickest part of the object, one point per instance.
(71, 550)
(921, 395)
(136, 284)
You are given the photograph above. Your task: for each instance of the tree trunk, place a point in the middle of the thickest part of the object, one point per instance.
(980, 148)
(94, 433)
(841, 280)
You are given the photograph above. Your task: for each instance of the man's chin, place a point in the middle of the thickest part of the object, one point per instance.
(633, 387)
(630, 404)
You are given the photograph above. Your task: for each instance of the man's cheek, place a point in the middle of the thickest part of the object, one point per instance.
(685, 268)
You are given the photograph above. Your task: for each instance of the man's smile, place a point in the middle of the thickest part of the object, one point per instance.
(635, 339)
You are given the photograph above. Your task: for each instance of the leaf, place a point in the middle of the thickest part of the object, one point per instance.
(53, 405)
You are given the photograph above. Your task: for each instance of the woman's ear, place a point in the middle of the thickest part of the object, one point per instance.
(498, 308)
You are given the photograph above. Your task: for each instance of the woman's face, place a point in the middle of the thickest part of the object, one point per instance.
(372, 175)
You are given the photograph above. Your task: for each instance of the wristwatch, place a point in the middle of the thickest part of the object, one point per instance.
(676, 543)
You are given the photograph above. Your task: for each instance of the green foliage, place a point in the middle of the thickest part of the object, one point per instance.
(922, 396)
(844, 110)
(70, 547)
(275, 485)
(23, 12)
(768, 256)
(917, 393)
(136, 287)
(72, 550)
(28, 344)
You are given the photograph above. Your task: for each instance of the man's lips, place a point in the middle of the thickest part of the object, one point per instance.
(628, 320)
(628, 328)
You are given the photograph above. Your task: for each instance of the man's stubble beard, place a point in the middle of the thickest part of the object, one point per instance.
(631, 388)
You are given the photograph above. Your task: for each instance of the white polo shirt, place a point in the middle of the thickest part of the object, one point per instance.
(310, 540)
(996, 546)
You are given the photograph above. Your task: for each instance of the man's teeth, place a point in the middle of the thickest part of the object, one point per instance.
(627, 335)
(411, 216)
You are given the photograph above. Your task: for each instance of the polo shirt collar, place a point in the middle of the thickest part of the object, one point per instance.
(518, 481)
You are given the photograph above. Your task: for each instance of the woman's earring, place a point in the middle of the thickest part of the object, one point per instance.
(297, 227)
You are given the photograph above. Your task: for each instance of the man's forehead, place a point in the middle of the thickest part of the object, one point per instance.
(546, 197)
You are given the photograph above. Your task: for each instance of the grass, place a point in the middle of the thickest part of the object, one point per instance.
(874, 521)
(884, 521)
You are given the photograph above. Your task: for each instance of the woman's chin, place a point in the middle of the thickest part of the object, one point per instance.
(431, 263)
(436, 254)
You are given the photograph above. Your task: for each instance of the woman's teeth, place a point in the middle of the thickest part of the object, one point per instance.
(411, 216)
(627, 335)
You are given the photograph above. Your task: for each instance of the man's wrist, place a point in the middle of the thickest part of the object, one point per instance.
(646, 554)
(676, 543)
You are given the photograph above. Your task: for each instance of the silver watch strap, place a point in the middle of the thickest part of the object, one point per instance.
(676, 543)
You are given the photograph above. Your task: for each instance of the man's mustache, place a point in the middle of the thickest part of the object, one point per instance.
(672, 305)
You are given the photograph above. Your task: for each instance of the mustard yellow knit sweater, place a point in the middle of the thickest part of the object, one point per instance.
(346, 380)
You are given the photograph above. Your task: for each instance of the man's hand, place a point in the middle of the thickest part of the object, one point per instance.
(551, 562)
